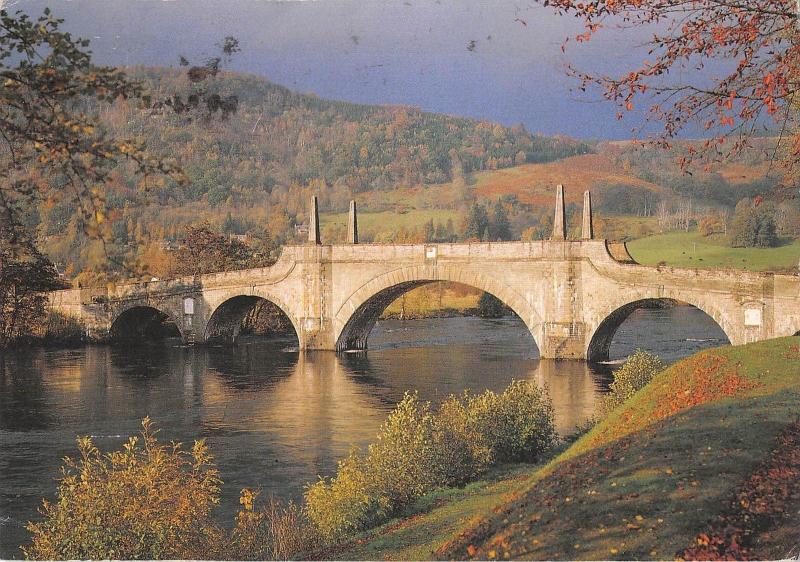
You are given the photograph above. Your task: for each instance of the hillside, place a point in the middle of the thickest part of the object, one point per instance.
(261, 163)
(253, 172)
(706, 456)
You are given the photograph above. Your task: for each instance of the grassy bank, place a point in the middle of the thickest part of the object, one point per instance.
(645, 483)
(435, 299)
(691, 249)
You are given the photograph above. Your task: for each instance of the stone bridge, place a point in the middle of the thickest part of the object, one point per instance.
(571, 294)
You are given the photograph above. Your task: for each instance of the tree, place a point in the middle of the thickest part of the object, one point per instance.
(477, 224)
(24, 275)
(753, 226)
(48, 138)
(761, 36)
(430, 231)
(712, 223)
(500, 227)
(206, 251)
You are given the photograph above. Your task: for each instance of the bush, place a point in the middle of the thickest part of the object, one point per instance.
(461, 452)
(273, 532)
(417, 451)
(516, 425)
(368, 488)
(149, 500)
(638, 370)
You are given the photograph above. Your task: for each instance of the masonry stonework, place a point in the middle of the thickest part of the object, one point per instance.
(571, 295)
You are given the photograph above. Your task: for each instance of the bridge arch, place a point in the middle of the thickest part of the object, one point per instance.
(356, 317)
(227, 318)
(600, 338)
(140, 322)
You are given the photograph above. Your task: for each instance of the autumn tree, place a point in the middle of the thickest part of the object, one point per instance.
(51, 147)
(753, 46)
(206, 251)
(753, 225)
(24, 274)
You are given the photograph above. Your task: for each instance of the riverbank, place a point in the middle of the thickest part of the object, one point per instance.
(56, 331)
(435, 300)
(664, 473)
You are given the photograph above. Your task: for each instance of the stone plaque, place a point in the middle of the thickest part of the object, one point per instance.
(188, 305)
(752, 317)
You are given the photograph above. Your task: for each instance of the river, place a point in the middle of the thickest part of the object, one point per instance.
(275, 418)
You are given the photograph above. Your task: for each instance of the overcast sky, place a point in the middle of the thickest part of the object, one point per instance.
(384, 52)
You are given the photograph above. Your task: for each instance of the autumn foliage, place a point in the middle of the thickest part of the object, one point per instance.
(762, 500)
(149, 500)
(701, 379)
(152, 500)
(712, 378)
(753, 47)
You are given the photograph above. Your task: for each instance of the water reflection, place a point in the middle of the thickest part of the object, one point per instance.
(273, 417)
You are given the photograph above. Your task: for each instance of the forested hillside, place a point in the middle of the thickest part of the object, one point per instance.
(253, 169)
(417, 176)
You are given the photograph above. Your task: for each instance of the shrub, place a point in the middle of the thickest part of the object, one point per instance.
(149, 500)
(461, 452)
(417, 451)
(348, 502)
(638, 370)
(517, 424)
(272, 532)
(395, 470)
(402, 455)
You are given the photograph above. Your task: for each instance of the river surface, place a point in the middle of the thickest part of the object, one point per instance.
(275, 418)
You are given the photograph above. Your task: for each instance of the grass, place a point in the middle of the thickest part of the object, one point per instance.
(418, 533)
(535, 183)
(691, 249)
(642, 484)
(372, 224)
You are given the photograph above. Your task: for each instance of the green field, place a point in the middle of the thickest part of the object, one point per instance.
(691, 249)
(372, 224)
(645, 483)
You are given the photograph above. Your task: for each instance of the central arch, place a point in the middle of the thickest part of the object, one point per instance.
(356, 317)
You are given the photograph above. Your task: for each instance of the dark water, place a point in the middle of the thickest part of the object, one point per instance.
(273, 417)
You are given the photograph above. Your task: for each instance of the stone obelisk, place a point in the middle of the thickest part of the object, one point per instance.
(560, 219)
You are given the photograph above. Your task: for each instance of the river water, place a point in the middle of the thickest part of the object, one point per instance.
(275, 418)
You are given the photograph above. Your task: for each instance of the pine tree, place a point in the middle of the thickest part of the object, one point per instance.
(430, 231)
(501, 228)
(477, 223)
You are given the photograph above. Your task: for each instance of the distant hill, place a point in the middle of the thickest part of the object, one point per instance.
(279, 139)
(253, 172)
